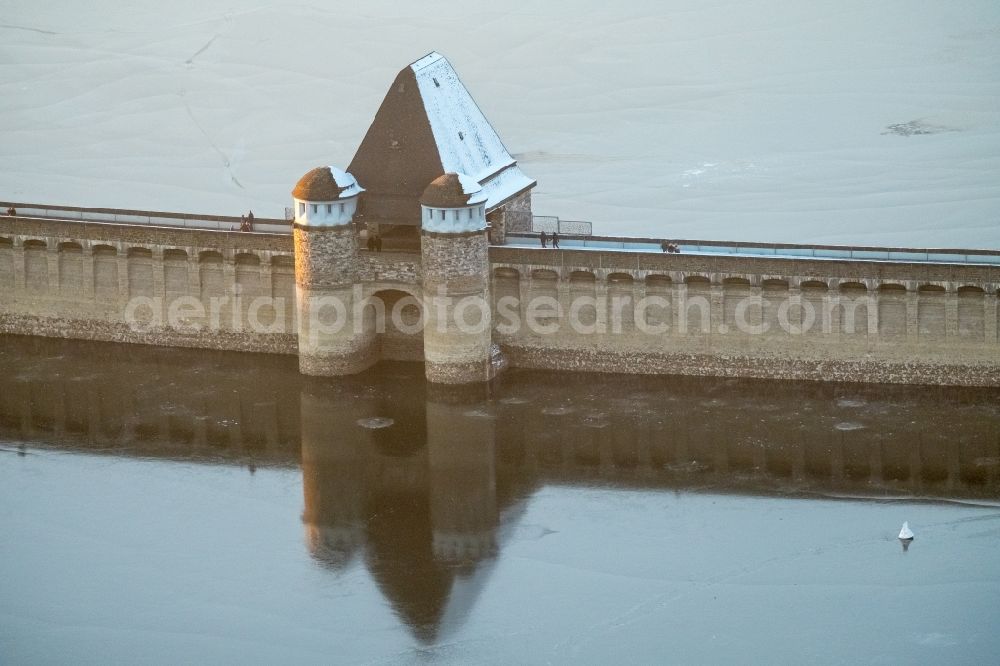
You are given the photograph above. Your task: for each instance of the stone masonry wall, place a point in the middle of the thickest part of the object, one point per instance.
(741, 316)
(930, 323)
(513, 216)
(177, 287)
(459, 260)
(326, 256)
(457, 333)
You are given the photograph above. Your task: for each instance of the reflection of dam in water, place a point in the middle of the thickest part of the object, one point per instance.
(131, 400)
(543, 427)
(414, 483)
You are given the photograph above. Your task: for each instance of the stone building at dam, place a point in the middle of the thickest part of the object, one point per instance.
(462, 284)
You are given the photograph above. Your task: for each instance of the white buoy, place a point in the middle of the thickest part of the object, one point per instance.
(906, 534)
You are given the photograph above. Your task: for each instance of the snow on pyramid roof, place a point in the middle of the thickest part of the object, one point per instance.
(428, 124)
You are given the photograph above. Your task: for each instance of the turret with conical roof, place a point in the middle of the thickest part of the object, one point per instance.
(326, 197)
(453, 203)
(455, 258)
(327, 268)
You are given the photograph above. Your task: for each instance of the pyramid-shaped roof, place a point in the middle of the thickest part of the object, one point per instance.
(428, 125)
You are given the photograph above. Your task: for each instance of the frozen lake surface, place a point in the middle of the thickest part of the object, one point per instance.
(109, 560)
(846, 123)
(195, 507)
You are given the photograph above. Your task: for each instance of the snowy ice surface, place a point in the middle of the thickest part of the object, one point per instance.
(847, 122)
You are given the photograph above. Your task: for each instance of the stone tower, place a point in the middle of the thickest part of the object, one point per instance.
(327, 267)
(456, 281)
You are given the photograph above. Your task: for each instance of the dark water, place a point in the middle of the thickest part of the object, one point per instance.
(172, 506)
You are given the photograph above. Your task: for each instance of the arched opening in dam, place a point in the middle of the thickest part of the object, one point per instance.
(397, 318)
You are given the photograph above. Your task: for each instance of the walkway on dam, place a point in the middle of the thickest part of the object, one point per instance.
(143, 217)
(769, 250)
(530, 240)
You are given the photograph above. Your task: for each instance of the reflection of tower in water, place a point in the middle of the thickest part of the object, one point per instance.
(463, 477)
(406, 479)
(333, 467)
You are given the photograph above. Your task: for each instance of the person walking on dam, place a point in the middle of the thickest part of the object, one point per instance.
(555, 240)
(544, 238)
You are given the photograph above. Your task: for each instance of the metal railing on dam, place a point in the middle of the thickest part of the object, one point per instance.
(574, 241)
(144, 217)
(770, 250)
(550, 223)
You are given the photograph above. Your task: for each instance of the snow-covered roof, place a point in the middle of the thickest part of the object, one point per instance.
(428, 125)
(466, 141)
(453, 190)
(326, 183)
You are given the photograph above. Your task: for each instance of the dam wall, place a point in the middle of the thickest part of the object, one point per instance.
(816, 319)
(128, 283)
(86, 280)
(603, 310)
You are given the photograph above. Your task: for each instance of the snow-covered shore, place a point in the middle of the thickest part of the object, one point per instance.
(848, 122)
